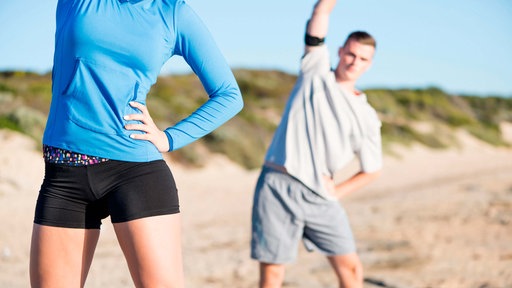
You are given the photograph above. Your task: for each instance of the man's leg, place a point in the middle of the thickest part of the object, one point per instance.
(348, 269)
(271, 275)
(276, 225)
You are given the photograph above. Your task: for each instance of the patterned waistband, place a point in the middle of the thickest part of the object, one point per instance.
(62, 156)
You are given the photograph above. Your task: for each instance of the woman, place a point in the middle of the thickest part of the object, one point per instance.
(102, 150)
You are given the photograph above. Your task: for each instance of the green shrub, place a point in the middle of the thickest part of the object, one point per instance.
(487, 133)
(7, 123)
(25, 99)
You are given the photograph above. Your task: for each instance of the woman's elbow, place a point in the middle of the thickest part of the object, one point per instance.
(238, 101)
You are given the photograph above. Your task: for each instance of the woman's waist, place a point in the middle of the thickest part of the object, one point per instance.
(82, 141)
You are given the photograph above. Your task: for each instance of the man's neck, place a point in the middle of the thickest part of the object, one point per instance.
(348, 86)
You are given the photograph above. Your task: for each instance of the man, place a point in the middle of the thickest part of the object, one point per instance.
(326, 123)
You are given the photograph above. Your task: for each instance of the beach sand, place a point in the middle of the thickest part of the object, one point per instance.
(435, 218)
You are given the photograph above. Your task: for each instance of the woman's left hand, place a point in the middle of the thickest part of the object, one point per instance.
(151, 133)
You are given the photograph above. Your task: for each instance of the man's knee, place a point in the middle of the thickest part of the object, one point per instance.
(348, 269)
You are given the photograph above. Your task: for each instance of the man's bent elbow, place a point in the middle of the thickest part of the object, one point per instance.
(374, 174)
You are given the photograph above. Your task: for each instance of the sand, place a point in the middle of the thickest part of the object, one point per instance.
(435, 218)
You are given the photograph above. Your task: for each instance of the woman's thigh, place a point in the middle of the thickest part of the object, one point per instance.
(61, 257)
(152, 247)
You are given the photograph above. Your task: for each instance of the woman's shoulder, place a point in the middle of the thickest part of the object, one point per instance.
(173, 3)
(175, 6)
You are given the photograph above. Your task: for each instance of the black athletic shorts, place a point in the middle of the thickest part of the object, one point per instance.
(80, 196)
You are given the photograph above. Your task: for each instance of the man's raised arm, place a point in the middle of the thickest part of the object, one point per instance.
(318, 24)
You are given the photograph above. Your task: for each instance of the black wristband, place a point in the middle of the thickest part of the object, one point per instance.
(313, 41)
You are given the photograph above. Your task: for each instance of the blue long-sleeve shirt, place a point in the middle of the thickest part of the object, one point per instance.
(110, 52)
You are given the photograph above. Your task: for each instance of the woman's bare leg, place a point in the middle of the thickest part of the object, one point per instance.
(152, 247)
(61, 257)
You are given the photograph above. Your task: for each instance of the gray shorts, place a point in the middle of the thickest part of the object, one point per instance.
(285, 211)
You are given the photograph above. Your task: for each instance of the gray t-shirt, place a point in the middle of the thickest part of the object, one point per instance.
(323, 127)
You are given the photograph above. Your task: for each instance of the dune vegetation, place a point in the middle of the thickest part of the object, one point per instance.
(427, 116)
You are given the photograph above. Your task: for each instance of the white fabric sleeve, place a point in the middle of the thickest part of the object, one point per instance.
(370, 153)
(316, 61)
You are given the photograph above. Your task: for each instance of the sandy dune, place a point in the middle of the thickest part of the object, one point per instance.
(434, 219)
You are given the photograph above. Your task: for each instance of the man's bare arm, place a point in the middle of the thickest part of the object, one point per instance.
(354, 183)
(318, 24)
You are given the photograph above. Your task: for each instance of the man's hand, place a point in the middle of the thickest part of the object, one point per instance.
(151, 132)
(330, 186)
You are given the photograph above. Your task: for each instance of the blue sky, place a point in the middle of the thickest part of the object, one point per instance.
(461, 46)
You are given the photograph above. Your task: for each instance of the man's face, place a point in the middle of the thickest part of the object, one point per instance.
(355, 59)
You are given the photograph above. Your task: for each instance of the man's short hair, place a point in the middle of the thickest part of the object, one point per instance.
(361, 37)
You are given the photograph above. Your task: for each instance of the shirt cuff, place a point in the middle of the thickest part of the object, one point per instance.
(169, 138)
